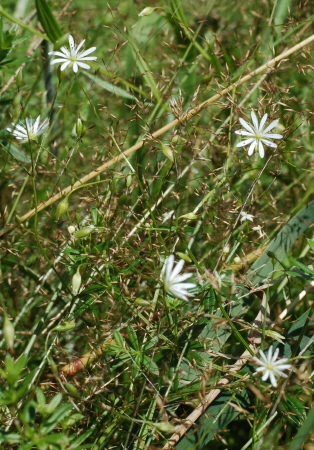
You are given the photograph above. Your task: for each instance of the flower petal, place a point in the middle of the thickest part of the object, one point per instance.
(269, 143)
(177, 269)
(255, 121)
(247, 126)
(80, 45)
(87, 52)
(252, 148)
(271, 126)
(262, 123)
(245, 142)
(261, 150)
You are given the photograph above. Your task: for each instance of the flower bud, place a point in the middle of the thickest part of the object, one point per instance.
(175, 139)
(275, 335)
(226, 249)
(9, 333)
(146, 11)
(71, 389)
(237, 260)
(60, 74)
(71, 229)
(19, 78)
(80, 128)
(167, 152)
(189, 216)
(165, 427)
(17, 100)
(65, 326)
(62, 208)
(141, 302)
(83, 232)
(129, 180)
(76, 282)
(184, 257)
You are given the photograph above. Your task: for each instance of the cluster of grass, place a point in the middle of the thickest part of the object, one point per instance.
(96, 353)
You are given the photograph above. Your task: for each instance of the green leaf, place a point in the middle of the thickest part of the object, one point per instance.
(41, 399)
(48, 21)
(302, 267)
(119, 340)
(70, 421)
(303, 433)
(110, 87)
(6, 40)
(293, 409)
(56, 417)
(311, 244)
(53, 403)
(133, 338)
(263, 266)
(216, 417)
(19, 155)
(11, 438)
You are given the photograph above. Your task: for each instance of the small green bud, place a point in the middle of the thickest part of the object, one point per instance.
(189, 216)
(146, 11)
(129, 180)
(19, 78)
(80, 128)
(184, 257)
(53, 366)
(175, 139)
(64, 326)
(76, 282)
(62, 208)
(71, 389)
(275, 335)
(165, 427)
(83, 232)
(60, 74)
(9, 333)
(167, 152)
(141, 302)
(17, 100)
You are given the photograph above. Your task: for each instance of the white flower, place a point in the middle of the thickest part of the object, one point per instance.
(74, 56)
(28, 130)
(168, 215)
(259, 230)
(270, 366)
(258, 135)
(173, 282)
(246, 216)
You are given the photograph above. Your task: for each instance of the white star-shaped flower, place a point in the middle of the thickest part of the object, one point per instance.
(270, 367)
(74, 56)
(259, 230)
(29, 130)
(257, 134)
(168, 215)
(173, 282)
(246, 216)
